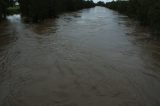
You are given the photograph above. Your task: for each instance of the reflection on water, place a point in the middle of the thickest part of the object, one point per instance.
(87, 58)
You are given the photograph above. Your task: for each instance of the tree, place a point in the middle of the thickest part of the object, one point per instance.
(100, 3)
(146, 11)
(40, 9)
(3, 9)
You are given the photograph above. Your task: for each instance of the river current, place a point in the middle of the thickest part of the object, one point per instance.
(92, 57)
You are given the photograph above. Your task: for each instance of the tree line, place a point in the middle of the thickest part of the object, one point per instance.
(146, 11)
(3, 8)
(4, 5)
(36, 10)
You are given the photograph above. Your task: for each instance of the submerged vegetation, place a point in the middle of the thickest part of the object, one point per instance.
(37, 10)
(146, 11)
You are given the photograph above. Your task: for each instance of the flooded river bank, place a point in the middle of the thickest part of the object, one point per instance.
(93, 57)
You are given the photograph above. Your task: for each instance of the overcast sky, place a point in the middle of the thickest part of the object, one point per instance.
(101, 0)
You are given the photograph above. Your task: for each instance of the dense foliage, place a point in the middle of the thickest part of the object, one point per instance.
(13, 10)
(146, 11)
(41, 9)
(100, 3)
(3, 9)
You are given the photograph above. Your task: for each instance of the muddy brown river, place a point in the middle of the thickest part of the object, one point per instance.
(92, 57)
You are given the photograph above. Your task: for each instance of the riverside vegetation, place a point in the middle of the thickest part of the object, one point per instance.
(36, 10)
(146, 11)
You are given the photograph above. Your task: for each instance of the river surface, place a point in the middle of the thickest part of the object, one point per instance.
(92, 57)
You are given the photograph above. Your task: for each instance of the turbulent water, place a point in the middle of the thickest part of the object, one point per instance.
(93, 57)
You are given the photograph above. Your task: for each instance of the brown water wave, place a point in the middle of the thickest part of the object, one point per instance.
(93, 57)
